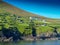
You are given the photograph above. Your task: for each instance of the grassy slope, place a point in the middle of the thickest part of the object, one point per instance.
(5, 7)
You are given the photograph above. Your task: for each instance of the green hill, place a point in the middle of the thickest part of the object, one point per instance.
(26, 23)
(5, 7)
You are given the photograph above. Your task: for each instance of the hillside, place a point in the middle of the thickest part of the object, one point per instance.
(17, 23)
(9, 8)
(5, 7)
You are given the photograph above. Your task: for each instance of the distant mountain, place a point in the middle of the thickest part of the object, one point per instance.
(5, 7)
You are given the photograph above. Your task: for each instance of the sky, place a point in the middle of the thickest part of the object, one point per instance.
(47, 8)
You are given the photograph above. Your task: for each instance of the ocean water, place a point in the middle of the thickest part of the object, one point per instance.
(42, 42)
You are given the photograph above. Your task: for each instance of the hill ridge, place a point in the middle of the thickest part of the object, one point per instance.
(5, 7)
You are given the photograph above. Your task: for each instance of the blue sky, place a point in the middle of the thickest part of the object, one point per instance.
(47, 8)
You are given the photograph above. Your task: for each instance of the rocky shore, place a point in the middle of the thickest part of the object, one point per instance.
(38, 38)
(4, 39)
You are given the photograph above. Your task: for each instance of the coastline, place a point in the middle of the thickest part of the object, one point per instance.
(28, 39)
